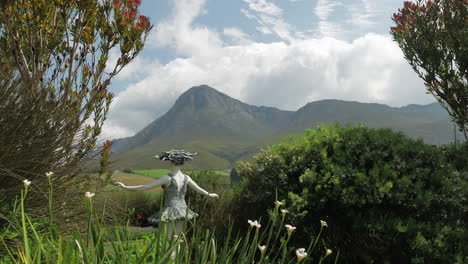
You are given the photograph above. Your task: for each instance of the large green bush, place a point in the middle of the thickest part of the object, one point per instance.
(385, 196)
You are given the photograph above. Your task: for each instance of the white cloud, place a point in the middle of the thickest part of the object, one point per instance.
(269, 17)
(264, 7)
(237, 36)
(369, 69)
(135, 70)
(287, 75)
(323, 10)
(178, 32)
(364, 12)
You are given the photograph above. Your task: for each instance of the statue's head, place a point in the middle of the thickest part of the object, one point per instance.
(176, 157)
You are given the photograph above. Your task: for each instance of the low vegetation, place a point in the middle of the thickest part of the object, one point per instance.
(26, 241)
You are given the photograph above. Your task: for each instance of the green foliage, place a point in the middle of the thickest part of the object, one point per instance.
(433, 36)
(54, 93)
(138, 205)
(385, 196)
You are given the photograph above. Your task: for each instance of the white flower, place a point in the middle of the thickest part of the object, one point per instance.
(174, 238)
(300, 253)
(49, 174)
(254, 224)
(328, 252)
(89, 195)
(323, 223)
(26, 183)
(262, 248)
(290, 229)
(278, 204)
(284, 212)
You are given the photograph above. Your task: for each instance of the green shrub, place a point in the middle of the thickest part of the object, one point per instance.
(211, 210)
(137, 205)
(386, 197)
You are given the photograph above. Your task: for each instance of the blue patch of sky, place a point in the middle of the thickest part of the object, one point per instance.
(226, 14)
(223, 14)
(118, 86)
(379, 17)
(157, 11)
(299, 14)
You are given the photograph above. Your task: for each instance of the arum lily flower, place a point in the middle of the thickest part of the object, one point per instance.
(89, 195)
(290, 229)
(278, 204)
(284, 212)
(262, 249)
(254, 224)
(301, 254)
(49, 174)
(328, 252)
(323, 223)
(26, 183)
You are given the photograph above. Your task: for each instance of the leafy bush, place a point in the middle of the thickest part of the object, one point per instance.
(54, 90)
(138, 205)
(209, 209)
(387, 197)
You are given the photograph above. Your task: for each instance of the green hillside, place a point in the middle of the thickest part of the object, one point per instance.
(223, 130)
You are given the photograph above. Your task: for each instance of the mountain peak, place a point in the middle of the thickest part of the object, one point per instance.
(201, 88)
(204, 96)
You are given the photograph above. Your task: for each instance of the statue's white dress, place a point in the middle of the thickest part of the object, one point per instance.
(174, 207)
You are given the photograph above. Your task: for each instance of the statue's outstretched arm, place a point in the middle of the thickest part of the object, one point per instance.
(164, 180)
(198, 189)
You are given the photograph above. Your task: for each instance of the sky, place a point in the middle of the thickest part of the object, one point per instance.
(278, 53)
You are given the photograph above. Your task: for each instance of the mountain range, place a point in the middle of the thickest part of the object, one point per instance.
(224, 130)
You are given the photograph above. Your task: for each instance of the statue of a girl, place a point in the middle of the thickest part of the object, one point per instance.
(174, 184)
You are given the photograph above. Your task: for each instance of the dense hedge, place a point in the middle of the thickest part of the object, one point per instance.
(386, 197)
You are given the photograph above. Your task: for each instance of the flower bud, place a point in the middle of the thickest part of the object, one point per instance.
(323, 223)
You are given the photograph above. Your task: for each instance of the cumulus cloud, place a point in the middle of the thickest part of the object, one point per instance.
(178, 33)
(369, 69)
(283, 74)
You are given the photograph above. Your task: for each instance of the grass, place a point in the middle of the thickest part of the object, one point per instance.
(103, 243)
(131, 179)
(157, 173)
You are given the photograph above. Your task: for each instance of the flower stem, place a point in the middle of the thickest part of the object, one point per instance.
(51, 219)
(23, 223)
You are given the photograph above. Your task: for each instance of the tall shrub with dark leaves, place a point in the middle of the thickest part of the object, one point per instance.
(385, 197)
